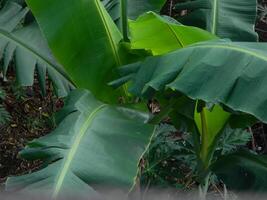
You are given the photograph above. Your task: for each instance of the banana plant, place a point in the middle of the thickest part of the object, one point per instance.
(210, 74)
(96, 142)
(227, 19)
(21, 42)
(27, 42)
(87, 43)
(58, 76)
(97, 36)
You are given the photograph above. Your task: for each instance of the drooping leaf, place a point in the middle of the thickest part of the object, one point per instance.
(242, 171)
(145, 34)
(85, 40)
(29, 50)
(216, 72)
(95, 146)
(225, 18)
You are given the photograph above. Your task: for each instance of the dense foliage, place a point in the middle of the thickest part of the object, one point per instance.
(205, 69)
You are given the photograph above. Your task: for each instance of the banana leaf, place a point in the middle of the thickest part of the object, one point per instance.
(145, 34)
(95, 146)
(218, 72)
(85, 40)
(242, 171)
(225, 18)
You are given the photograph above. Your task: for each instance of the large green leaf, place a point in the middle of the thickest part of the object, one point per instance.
(84, 39)
(95, 146)
(216, 72)
(242, 171)
(29, 50)
(225, 18)
(144, 34)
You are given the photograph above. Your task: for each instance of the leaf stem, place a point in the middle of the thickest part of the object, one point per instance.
(203, 188)
(124, 20)
(204, 139)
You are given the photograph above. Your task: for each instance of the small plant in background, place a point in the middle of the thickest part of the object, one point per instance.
(2, 94)
(4, 114)
(262, 9)
(172, 161)
(261, 24)
(169, 159)
(18, 91)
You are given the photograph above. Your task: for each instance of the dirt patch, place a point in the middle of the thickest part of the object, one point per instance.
(32, 116)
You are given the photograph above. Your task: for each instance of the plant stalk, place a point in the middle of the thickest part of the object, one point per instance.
(203, 188)
(124, 20)
(204, 139)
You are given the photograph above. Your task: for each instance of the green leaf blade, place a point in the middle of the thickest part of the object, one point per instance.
(94, 145)
(216, 72)
(225, 18)
(85, 41)
(144, 34)
(242, 171)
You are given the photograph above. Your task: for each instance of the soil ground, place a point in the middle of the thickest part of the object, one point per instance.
(31, 116)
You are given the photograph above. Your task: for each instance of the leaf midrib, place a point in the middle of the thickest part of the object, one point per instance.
(19, 43)
(111, 41)
(234, 48)
(175, 35)
(73, 150)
